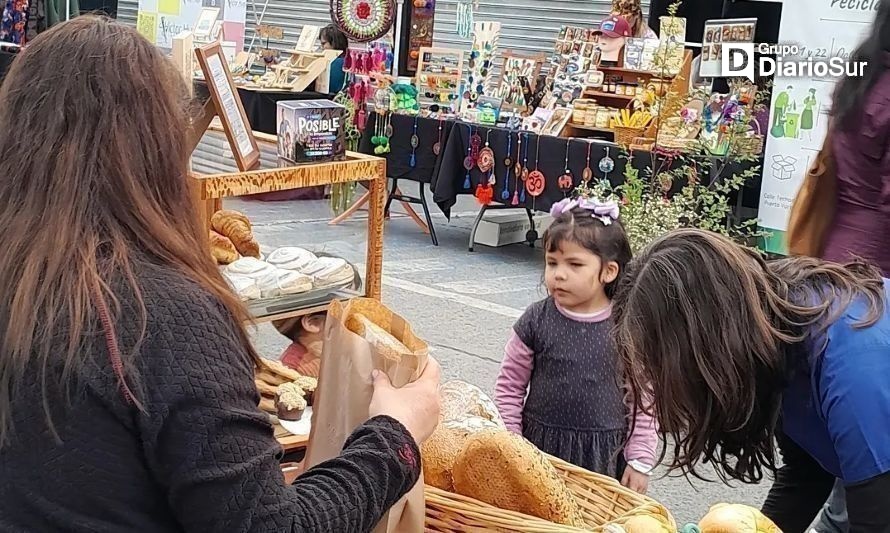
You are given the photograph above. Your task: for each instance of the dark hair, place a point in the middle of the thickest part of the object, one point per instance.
(292, 328)
(335, 37)
(608, 242)
(714, 332)
(850, 93)
(102, 180)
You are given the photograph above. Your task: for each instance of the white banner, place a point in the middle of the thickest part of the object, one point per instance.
(822, 29)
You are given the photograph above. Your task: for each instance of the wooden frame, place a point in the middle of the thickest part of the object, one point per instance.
(423, 75)
(211, 188)
(227, 103)
(532, 62)
(206, 19)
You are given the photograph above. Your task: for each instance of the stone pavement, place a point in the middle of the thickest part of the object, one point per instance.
(462, 303)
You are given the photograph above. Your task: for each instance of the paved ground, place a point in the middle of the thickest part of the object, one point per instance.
(462, 303)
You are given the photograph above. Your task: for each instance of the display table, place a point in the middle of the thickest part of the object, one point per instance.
(216, 176)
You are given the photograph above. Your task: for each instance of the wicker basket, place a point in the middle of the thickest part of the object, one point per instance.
(625, 135)
(603, 501)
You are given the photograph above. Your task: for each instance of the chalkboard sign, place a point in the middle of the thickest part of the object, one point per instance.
(228, 106)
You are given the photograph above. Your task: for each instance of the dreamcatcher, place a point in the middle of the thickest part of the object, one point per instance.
(363, 20)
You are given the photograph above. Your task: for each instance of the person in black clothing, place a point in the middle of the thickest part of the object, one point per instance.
(127, 400)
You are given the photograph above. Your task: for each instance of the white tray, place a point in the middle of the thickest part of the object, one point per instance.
(301, 426)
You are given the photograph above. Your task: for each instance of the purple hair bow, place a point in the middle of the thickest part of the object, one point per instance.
(606, 211)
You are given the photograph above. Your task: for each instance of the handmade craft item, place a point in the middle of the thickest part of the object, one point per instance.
(587, 173)
(566, 181)
(606, 164)
(469, 162)
(465, 17)
(485, 160)
(415, 141)
(525, 170)
(363, 20)
(535, 182)
(505, 194)
(383, 128)
(437, 146)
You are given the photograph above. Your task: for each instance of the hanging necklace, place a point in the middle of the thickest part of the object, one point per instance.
(414, 142)
(469, 163)
(437, 147)
(525, 171)
(518, 168)
(475, 144)
(566, 181)
(587, 173)
(606, 164)
(485, 159)
(535, 182)
(505, 194)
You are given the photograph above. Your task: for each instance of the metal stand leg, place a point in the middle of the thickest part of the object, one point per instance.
(426, 213)
(391, 196)
(476, 226)
(532, 235)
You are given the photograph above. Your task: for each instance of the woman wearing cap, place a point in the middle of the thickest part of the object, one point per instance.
(633, 13)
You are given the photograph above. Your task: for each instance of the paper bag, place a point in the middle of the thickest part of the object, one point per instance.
(345, 388)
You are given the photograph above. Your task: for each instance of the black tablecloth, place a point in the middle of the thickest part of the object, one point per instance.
(262, 106)
(449, 182)
(398, 160)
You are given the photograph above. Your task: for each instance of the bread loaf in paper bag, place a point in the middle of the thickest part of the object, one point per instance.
(360, 336)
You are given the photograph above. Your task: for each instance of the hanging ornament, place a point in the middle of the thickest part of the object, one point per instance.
(505, 194)
(437, 147)
(518, 168)
(587, 173)
(475, 146)
(469, 163)
(606, 164)
(485, 160)
(566, 181)
(465, 18)
(536, 182)
(363, 20)
(415, 141)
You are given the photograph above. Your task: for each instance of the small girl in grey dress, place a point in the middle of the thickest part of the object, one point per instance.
(558, 383)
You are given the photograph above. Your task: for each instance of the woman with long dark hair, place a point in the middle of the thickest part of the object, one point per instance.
(127, 396)
(860, 114)
(741, 352)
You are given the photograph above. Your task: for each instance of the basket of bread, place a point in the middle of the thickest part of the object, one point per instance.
(480, 476)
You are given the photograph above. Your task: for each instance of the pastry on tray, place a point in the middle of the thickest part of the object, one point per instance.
(290, 402)
(237, 228)
(281, 282)
(250, 267)
(308, 385)
(291, 258)
(245, 287)
(224, 252)
(330, 272)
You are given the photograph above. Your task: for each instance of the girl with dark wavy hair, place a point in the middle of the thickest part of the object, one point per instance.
(741, 352)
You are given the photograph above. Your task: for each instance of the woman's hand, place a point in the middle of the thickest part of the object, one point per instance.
(415, 405)
(634, 480)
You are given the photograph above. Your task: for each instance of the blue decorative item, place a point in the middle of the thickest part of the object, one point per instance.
(505, 194)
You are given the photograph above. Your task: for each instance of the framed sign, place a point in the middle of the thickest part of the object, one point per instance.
(720, 31)
(204, 25)
(224, 96)
(308, 38)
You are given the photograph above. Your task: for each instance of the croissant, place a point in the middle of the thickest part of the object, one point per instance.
(236, 227)
(222, 248)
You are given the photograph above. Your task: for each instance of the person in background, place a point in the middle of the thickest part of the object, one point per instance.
(127, 395)
(632, 11)
(860, 122)
(742, 353)
(560, 353)
(334, 39)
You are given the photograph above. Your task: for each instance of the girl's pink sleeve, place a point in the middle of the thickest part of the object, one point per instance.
(512, 382)
(642, 445)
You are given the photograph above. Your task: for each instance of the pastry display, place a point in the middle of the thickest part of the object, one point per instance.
(224, 252)
(291, 258)
(503, 469)
(290, 403)
(245, 287)
(281, 282)
(237, 228)
(330, 272)
(250, 267)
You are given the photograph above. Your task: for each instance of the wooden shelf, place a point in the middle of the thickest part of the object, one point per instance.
(622, 70)
(601, 94)
(590, 128)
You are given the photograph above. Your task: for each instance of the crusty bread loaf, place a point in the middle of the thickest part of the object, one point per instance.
(223, 250)
(505, 470)
(440, 451)
(385, 343)
(460, 400)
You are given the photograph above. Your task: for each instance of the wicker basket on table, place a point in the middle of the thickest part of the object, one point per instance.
(625, 135)
(603, 501)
